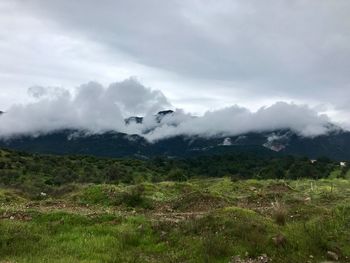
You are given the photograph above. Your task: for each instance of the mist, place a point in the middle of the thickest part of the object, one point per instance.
(93, 108)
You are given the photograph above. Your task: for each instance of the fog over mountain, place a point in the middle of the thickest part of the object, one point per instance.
(97, 109)
(202, 55)
(224, 67)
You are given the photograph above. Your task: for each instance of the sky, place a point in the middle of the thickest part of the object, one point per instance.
(202, 57)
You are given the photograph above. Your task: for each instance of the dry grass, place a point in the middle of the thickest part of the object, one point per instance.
(279, 213)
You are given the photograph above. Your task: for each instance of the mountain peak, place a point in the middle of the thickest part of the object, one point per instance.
(161, 114)
(165, 112)
(138, 120)
(133, 119)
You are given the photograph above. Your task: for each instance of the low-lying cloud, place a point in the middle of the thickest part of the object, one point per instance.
(91, 107)
(237, 120)
(95, 108)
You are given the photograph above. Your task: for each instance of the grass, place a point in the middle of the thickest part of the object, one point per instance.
(201, 220)
(279, 213)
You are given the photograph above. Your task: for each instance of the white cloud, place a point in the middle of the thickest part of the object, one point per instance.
(237, 120)
(97, 109)
(203, 55)
(93, 108)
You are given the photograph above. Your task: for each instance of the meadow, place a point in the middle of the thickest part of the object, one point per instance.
(206, 220)
(198, 219)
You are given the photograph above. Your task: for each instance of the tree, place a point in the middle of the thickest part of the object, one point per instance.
(177, 174)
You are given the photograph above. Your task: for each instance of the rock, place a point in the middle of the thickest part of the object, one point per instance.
(332, 256)
(261, 259)
(235, 259)
(307, 199)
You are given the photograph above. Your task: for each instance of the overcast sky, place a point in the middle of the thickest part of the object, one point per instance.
(199, 55)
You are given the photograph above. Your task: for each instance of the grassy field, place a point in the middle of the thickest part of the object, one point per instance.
(202, 220)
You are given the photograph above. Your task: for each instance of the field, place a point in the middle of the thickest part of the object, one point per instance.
(198, 220)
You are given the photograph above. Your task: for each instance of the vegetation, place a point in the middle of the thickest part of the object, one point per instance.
(85, 209)
(44, 173)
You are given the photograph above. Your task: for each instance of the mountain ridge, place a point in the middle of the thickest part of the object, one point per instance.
(335, 144)
(115, 144)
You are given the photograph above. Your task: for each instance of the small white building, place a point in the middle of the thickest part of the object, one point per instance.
(342, 164)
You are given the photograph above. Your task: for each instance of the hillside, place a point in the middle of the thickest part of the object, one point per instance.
(87, 209)
(207, 220)
(34, 173)
(335, 145)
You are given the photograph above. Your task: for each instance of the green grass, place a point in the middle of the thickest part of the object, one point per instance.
(201, 220)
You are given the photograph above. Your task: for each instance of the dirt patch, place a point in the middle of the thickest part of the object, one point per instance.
(261, 208)
(18, 215)
(260, 259)
(197, 202)
(177, 217)
(279, 188)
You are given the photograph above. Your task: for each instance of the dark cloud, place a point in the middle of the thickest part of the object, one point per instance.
(227, 52)
(295, 48)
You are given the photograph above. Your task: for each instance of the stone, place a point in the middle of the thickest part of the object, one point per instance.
(332, 256)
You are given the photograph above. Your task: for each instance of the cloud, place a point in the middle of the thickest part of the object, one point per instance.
(37, 91)
(95, 108)
(92, 107)
(133, 98)
(237, 120)
(224, 52)
(296, 49)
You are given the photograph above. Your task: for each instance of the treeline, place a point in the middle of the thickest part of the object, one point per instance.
(34, 173)
(245, 166)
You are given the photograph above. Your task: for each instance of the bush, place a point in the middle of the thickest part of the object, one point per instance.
(177, 175)
(135, 198)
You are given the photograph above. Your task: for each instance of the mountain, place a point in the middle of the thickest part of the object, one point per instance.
(113, 144)
(134, 119)
(335, 145)
(158, 117)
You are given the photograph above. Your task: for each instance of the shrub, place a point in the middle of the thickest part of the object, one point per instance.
(177, 175)
(135, 198)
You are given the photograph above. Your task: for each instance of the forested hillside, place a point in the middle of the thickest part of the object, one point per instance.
(36, 173)
(334, 145)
